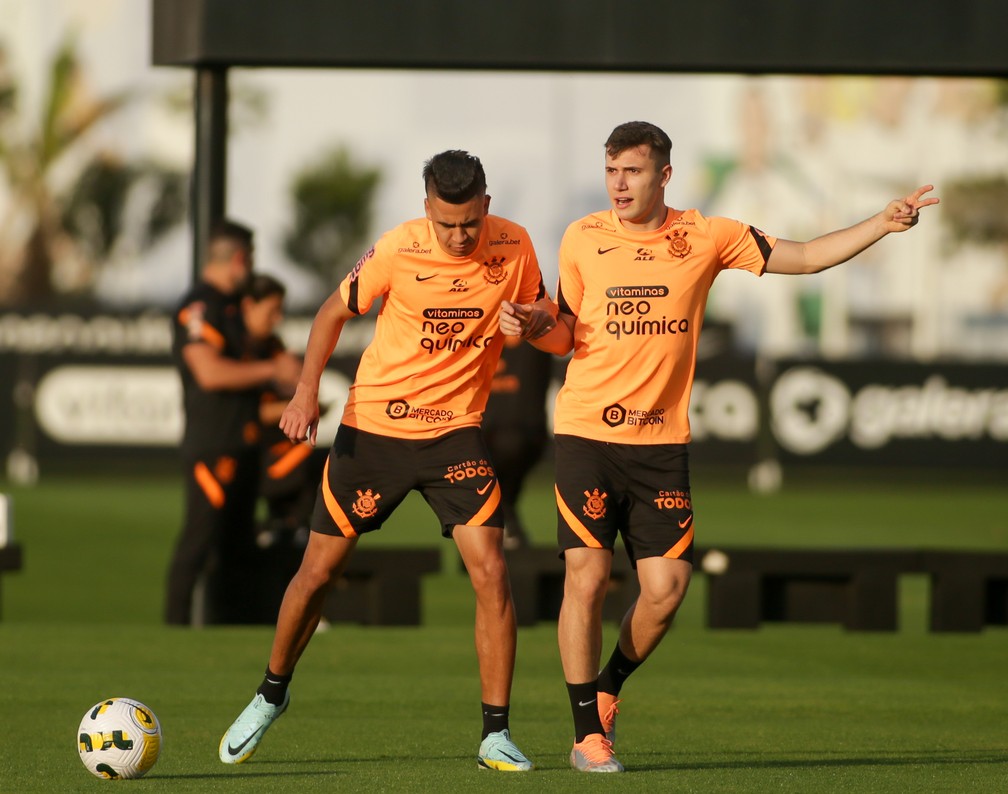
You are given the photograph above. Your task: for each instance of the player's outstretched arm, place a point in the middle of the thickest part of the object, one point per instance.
(536, 323)
(299, 420)
(832, 249)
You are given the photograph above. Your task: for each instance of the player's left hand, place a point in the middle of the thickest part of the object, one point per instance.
(511, 318)
(527, 320)
(902, 214)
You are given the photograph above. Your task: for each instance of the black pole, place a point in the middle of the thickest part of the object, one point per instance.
(209, 186)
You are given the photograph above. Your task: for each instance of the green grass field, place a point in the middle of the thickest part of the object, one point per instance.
(795, 708)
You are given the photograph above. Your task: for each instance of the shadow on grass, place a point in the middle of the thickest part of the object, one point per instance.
(289, 767)
(821, 761)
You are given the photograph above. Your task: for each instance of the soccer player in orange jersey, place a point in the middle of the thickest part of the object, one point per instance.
(633, 285)
(411, 422)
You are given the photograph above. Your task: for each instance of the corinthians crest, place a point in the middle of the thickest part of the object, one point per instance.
(678, 245)
(494, 273)
(594, 506)
(366, 504)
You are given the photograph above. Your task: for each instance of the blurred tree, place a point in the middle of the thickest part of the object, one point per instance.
(976, 209)
(332, 214)
(66, 205)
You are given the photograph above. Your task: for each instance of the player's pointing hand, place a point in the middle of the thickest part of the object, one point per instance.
(902, 214)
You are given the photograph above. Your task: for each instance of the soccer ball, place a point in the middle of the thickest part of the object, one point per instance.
(119, 738)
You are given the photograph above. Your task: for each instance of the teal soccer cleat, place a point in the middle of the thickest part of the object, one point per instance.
(242, 738)
(498, 752)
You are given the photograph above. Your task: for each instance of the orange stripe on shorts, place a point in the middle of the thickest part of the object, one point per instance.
(333, 506)
(572, 521)
(679, 548)
(209, 485)
(488, 508)
(289, 461)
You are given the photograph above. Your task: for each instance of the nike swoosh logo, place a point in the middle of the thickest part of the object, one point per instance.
(586, 702)
(607, 250)
(484, 489)
(684, 524)
(424, 278)
(235, 750)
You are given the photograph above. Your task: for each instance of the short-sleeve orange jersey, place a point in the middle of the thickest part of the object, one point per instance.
(437, 340)
(638, 299)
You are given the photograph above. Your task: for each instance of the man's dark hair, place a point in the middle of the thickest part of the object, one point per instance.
(261, 286)
(640, 133)
(454, 176)
(227, 236)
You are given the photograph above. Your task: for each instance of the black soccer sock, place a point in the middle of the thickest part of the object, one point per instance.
(584, 706)
(616, 672)
(274, 687)
(495, 718)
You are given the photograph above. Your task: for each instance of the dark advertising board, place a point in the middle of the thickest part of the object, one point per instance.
(80, 390)
(947, 414)
(84, 390)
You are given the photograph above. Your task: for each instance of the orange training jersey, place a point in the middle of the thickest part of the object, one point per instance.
(437, 341)
(639, 299)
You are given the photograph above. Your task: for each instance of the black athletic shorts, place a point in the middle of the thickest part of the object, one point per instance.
(640, 491)
(367, 476)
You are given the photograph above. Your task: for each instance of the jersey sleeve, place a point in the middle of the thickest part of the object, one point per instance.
(370, 277)
(740, 246)
(570, 285)
(201, 321)
(532, 286)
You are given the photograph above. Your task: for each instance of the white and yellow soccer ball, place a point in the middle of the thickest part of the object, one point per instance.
(119, 738)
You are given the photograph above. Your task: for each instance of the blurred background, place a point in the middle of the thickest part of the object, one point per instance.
(897, 358)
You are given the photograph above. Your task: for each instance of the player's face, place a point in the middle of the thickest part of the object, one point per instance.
(457, 226)
(241, 267)
(262, 317)
(636, 185)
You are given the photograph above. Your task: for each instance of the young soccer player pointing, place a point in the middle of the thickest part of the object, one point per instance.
(633, 286)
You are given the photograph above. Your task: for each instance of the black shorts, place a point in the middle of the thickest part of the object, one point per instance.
(640, 491)
(367, 476)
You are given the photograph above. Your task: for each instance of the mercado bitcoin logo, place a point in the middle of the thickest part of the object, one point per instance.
(614, 415)
(397, 409)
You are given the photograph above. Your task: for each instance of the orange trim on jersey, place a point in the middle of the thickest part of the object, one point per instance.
(679, 548)
(290, 460)
(333, 506)
(208, 333)
(572, 521)
(488, 508)
(209, 485)
(213, 336)
(279, 449)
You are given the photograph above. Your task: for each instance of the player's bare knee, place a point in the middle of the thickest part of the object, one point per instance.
(489, 573)
(585, 587)
(312, 577)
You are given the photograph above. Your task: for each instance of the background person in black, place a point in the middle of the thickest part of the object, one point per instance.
(514, 426)
(290, 472)
(220, 444)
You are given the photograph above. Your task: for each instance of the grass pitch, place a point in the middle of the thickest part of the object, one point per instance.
(783, 708)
